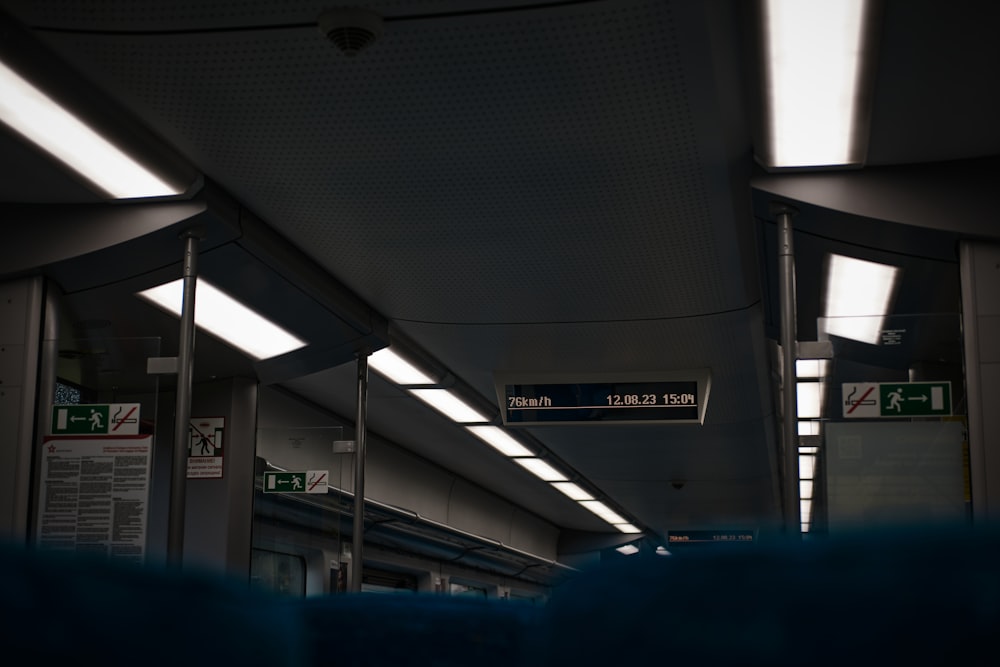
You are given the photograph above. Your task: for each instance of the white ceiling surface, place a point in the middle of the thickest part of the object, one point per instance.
(561, 189)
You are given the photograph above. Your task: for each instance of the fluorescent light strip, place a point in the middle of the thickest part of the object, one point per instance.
(813, 66)
(858, 296)
(627, 528)
(503, 442)
(809, 396)
(42, 121)
(386, 362)
(807, 466)
(572, 490)
(402, 372)
(221, 315)
(805, 511)
(805, 489)
(449, 405)
(603, 511)
(811, 368)
(500, 440)
(808, 428)
(542, 470)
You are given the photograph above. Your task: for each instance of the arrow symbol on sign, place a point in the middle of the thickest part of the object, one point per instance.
(78, 419)
(921, 398)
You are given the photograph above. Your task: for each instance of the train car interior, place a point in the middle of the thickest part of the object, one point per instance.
(558, 278)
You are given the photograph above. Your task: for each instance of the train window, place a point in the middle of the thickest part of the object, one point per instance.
(67, 393)
(278, 572)
(466, 590)
(526, 597)
(384, 581)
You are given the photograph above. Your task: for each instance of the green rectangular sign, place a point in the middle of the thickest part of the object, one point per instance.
(914, 399)
(284, 482)
(310, 481)
(95, 419)
(868, 400)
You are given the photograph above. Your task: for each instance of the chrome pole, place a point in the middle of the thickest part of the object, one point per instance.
(789, 394)
(185, 371)
(358, 531)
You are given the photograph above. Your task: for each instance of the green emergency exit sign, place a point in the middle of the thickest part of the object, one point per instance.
(95, 419)
(310, 481)
(896, 399)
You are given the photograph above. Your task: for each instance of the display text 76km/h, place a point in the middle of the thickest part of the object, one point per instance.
(590, 402)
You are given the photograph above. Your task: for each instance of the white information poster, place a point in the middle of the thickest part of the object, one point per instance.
(205, 447)
(880, 473)
(94, 495)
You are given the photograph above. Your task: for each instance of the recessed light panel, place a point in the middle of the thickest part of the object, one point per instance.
(541, 470)
(221, 315)
(42, 121)
(627, 528)
(603, 511)
(858, 295)
(816, 69)
(450, 405)
(386, 362)
(500, 440)
(572, 490)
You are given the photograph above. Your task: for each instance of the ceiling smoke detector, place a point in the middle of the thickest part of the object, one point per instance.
(350, 29)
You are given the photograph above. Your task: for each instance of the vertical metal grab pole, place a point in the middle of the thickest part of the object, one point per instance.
(789, 391)
(358, 531)
(185, 367)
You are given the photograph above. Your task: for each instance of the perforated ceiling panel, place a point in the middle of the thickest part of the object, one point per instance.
(181, 15)
(475, 353)
(555, 188)
(523, 166)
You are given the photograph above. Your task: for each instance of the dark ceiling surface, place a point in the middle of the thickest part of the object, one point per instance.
(534, 188)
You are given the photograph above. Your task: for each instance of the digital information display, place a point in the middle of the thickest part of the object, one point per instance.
(675, 401)
(679, 537)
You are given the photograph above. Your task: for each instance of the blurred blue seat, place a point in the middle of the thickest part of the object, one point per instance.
(887, 598)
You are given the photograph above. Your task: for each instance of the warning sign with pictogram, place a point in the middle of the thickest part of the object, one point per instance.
(95, 419)
(205, 443)
(875, 400)
(310, 481)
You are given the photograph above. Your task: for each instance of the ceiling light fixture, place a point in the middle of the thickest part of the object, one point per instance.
(45, 123)
(574, 491)
(223, 316)
(858, 295)
(808, 427)
(542, 470)
(388, 363)
(817, 69)
(811, 368)
(627, 549)
(809, 397)
(807, 466)
(603, 511)
(500, 440)
(627, 528)
(450, 405)
(805, 511)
